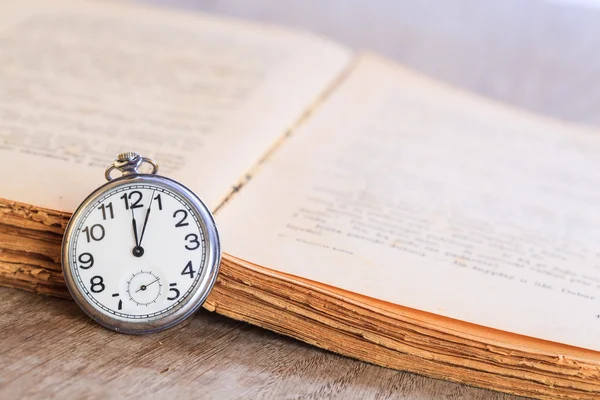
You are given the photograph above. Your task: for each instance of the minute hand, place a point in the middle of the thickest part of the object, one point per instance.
(146, 219)
(144, 227)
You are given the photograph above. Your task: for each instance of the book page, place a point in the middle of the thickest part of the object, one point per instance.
(418, 194)
(205, 97)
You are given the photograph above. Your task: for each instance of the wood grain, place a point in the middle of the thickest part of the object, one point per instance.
(537, 55)
(52, 350)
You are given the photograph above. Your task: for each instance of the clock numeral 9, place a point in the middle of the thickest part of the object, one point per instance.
(135, 203)
(188, 270)
(97, 283)
(182, 222)
(86, 260)
(193, 239)
(96, 232)
(173, 289)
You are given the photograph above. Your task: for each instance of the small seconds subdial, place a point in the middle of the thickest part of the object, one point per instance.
(144, 288)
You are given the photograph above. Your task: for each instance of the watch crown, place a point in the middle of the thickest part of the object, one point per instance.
(128, 163)
(127, 156)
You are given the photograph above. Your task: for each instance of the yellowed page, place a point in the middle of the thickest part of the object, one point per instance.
(206, 97)
(411, 192)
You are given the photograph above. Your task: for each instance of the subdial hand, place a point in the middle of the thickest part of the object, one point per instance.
(144, 287)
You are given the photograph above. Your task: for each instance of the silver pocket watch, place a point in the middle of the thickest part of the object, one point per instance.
(142, 252)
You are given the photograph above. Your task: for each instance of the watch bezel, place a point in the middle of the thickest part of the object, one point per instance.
(187, 307)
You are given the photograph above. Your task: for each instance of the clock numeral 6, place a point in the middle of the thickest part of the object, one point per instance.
(193, 239)
(86, 260)
(97, 283)
(96, 232)
(173, 289)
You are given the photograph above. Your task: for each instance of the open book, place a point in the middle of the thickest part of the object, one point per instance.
(363, 208)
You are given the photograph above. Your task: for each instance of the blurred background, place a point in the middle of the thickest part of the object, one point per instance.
(540, 55)
(537, 54)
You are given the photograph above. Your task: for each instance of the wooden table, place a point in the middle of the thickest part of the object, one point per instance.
(539, 55)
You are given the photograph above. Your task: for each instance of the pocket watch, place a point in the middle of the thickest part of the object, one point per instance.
(142, 252)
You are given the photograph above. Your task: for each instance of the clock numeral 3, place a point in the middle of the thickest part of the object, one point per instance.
(173, 289)
(86, 260)
(193, 239)
(182, 222)
(135, 203)
(188, 270)
(96, 232)
(97, 283)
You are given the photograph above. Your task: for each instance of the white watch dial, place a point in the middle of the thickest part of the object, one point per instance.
(137, 251)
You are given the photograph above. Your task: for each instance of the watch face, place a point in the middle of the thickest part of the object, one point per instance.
(142, 254)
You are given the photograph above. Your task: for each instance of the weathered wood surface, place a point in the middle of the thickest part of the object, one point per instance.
(537, 55)
(50, 349)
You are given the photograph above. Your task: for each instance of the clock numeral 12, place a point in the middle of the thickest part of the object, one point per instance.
(135, 202)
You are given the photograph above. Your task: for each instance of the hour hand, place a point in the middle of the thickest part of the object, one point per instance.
(137, 251)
